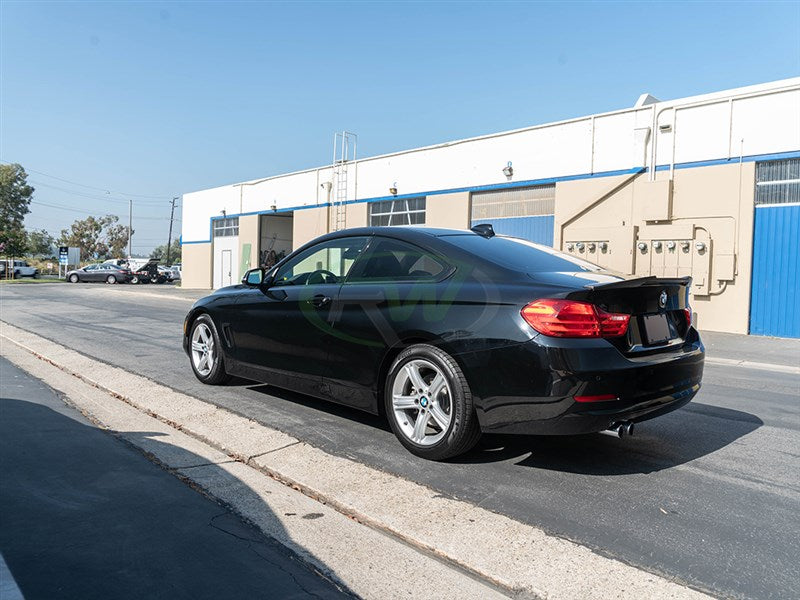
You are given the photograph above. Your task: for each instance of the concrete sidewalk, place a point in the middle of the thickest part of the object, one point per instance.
(369, 529)
(84, 515)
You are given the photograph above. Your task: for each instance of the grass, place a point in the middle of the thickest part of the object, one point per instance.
(32, 280)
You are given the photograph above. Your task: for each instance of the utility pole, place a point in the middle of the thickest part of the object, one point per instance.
(130, 229)
(169, 239)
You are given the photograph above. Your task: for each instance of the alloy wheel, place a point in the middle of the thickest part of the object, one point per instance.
(203, 349)
(421, 401)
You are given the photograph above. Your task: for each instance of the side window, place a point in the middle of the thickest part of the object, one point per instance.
(393, 260)
(91, 267)
(328, 262)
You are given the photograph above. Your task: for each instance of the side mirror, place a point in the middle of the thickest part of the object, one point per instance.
(253, 278)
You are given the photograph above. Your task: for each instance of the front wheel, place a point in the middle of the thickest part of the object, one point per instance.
(74, 278)
(111, 279)
(429, 404)
(206, 352)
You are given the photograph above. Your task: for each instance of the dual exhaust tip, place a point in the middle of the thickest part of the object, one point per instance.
(619, 430)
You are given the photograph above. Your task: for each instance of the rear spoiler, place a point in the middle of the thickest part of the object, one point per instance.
(649, 281)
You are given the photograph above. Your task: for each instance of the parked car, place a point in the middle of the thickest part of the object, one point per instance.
(107, 272)
(17, 268)
(450, 333)
(171, 273)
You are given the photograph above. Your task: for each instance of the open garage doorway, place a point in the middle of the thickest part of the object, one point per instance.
(275, 238)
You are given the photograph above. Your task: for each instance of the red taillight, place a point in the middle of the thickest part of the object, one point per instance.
(687, 312)
(570, 318)
(598, 398)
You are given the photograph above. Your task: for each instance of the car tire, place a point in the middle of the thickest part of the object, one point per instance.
(205, 333)
(111, 279)
(74, 278)
(36, 274)
(450, 425)
(135, 279)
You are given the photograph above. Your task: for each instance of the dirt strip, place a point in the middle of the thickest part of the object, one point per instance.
(517, 558)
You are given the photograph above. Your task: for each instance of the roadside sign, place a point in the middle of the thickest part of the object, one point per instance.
(63, 255)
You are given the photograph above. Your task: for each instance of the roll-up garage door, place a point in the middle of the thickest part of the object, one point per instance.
(522, 212)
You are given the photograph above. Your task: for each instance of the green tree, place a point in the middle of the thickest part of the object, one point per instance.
(97, 237)
(160, 252)
(15, 199)
(40, 243)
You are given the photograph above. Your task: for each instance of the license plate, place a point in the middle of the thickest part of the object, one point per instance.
(656, 329)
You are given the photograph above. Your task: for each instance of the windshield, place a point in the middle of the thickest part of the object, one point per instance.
(520, 255)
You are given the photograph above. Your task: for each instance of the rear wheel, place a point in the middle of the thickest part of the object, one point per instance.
(74, 278)
(206, 352)
(111, 279)
(429, 404)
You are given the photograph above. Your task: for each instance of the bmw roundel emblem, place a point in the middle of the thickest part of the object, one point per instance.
(662, 299)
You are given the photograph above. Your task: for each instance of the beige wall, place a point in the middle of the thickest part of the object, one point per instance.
(713, 205)
(308, 224)
(248, 234)
(448, 210)
(357, 214)
(196, 266)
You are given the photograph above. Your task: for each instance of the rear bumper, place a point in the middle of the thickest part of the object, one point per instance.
(530, 388)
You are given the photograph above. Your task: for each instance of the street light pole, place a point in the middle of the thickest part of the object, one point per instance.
(169, 239)
(130, 229)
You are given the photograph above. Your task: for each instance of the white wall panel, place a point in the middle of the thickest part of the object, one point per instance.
(768, 124)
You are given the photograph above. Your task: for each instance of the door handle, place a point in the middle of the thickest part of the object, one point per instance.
(320, 300)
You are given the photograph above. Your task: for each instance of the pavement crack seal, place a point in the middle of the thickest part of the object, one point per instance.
(518, 559)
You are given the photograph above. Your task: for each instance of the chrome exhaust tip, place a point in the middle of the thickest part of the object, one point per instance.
(619, 430)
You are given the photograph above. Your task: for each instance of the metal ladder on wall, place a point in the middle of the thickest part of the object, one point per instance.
(344, 152)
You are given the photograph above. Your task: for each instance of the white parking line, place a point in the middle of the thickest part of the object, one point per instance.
(748, 364)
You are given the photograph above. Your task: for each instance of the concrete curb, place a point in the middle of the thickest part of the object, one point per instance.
(516, 557)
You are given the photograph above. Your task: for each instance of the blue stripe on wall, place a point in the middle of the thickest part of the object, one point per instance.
(775, 293)
(537, 229)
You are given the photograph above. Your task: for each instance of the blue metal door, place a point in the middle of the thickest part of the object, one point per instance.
(537, 229)
(775, 294)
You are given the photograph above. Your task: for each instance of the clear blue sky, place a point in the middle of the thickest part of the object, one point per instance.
(158, 99)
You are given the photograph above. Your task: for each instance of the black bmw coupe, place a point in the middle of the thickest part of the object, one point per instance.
(450, 333)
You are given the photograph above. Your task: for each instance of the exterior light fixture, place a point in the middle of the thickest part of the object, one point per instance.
(508, 170)
(274, 208)
(393, 189)
(665, 127)
(224, 213)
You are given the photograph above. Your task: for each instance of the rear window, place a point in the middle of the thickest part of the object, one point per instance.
(520, 255)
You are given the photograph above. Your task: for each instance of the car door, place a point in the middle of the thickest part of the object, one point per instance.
(90, 273)
(281, 329)
(393, 291)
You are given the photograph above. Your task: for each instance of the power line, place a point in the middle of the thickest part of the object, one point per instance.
(93, 196)
(93, 213)
(91, 187)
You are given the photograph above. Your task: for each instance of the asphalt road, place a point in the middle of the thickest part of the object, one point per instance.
(708, 495)
(84, 515)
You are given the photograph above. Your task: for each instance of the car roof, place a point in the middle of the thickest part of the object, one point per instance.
(400, 231)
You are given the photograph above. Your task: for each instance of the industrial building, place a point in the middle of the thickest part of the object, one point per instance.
(707, 186)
